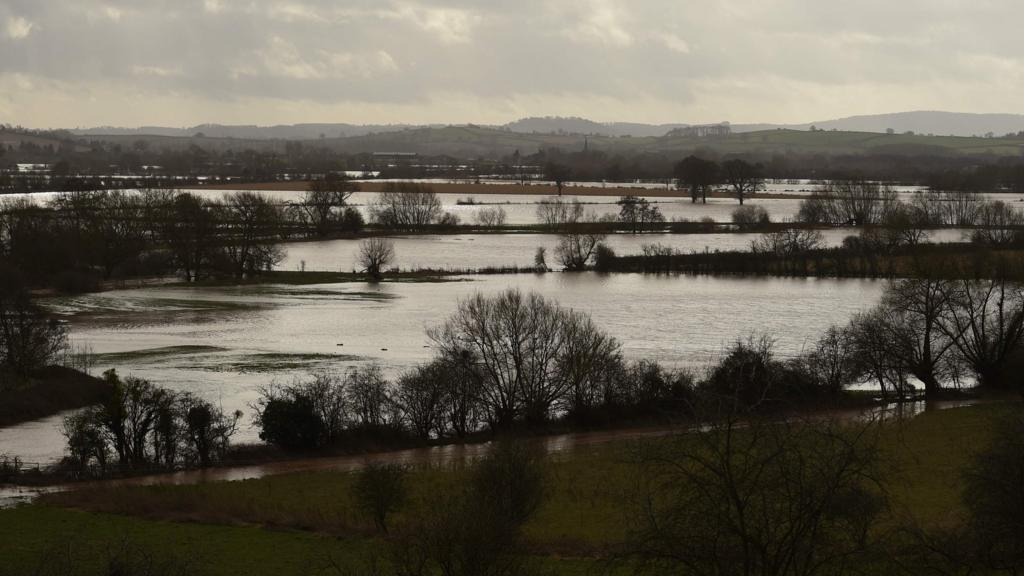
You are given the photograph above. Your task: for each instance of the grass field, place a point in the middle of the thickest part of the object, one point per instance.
(298, 523)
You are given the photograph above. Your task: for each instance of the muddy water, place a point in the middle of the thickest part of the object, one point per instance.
(440, 455)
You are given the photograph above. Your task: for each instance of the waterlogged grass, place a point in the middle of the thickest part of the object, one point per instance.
(217, 359)
(151, 355)
(274, 362)
(309, 278)
(313, 515)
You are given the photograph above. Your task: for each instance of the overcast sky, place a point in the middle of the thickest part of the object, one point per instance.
(69, 63)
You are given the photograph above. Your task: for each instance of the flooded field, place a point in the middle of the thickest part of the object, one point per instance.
(474, 251)
(225, 343)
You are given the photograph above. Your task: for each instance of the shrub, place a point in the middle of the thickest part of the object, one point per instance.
(750, 216)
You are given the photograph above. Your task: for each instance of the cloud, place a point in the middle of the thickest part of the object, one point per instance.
(449, 25)
(18, 28)
(599, 21)
(673, 42)
(269, 61)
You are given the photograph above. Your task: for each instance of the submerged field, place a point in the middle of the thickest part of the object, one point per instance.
(309, 523)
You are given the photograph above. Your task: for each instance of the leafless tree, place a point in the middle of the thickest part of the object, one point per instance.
(756, 498)
(575, 249)
(324, 202)
(913, 311)
(521, 344)
(556, 213)
(253, 224)
(849, 202)
(491, 216)
(29, 338)
(420, 394)
(868, 333)
(788, 242)
(375, 254)
(1000, 224)
(639, 213)
(369, 399)
(698, 176)
(743, 177)
(406, 206)
(831, 362)
(985, 321)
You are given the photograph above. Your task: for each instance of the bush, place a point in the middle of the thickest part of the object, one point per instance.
(380, 490)
(291, 423)
(604, 258)
(750, 375)
(750, 216)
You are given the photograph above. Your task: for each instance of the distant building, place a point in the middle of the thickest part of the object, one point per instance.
(706, 131)
(33, 168)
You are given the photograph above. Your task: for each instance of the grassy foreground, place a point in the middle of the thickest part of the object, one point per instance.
(308, 522)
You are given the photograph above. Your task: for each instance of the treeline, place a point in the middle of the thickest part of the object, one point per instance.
(81, 161)
(518, 360)
(142, 428)
(30, 340)
(78, 240)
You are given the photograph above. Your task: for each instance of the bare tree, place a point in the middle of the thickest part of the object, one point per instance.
(756, 498)
(253, 224)
(29, 338)
(557, 173)
(491, 216)
(375, 254)
(324, 202)
(913, 311)
(523, 351)
(556, 213)
(1000, 224)
(406, 206)
(576, 249)
(985, 321)
(380, 491)
(639, 213)
(420, 394)
(743, 177)
(788, 242)
(698, 176)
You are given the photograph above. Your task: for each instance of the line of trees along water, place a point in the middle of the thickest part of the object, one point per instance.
(518, 361)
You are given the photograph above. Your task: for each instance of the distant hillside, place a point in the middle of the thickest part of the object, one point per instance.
(922, 122)
(488, 142)
(555, 125)
(936, 123)
(280, 132)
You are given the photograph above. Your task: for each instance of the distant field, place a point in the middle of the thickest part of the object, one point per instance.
(293, 524)
(510, 189)
(475, 141)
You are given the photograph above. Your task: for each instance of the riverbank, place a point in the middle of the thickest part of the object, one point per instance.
(50, 391)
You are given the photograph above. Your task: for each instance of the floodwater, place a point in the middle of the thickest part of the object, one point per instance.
(522, 208)
(554, 445)
(224, 343)
(475, 251)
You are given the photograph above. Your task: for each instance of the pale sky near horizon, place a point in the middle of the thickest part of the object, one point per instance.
(78, 63)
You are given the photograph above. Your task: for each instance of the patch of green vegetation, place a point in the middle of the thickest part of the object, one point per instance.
(582, 516)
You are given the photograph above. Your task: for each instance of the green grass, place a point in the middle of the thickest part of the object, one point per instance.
(312, 515)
